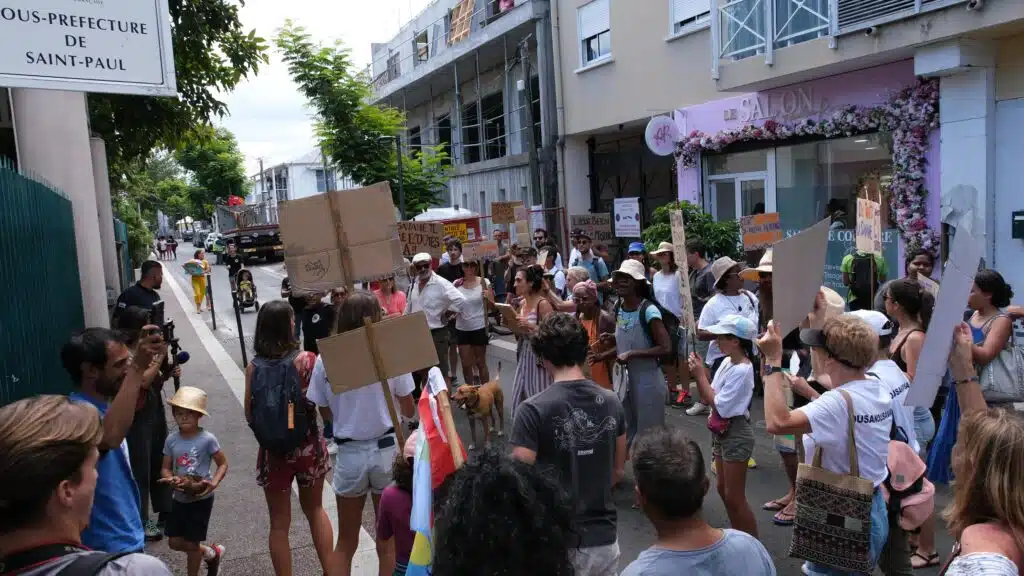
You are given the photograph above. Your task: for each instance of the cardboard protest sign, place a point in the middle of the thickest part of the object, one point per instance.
(521, 214)
(504, 212)
(800, 260)
(597, 226)
(679, 253)
(339, 238)
(510, 319)
(419, 237)
(957, 279)
(760, 231)
(465, 229)
(349, 361)
(869, 226)
(480, 250)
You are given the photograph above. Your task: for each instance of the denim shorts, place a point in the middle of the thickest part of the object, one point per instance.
(362, 466)
(737, 444)
(879, 535)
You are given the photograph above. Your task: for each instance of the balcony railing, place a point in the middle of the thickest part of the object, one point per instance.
(744, 28)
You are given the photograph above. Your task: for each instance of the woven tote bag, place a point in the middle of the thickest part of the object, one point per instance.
(833, 512)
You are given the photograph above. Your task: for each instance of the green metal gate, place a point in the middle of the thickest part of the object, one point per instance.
(42, 301)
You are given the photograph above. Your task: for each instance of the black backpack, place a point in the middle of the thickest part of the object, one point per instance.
(276, 390)
(864, 277)
(669, 319)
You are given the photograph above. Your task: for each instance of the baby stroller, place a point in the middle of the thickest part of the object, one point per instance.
(246, 290)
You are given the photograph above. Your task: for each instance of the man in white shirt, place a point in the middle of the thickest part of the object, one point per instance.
(440, 301)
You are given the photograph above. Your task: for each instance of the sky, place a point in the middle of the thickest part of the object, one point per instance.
(267, 114)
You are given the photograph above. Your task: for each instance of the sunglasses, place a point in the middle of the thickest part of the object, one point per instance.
(421, 266)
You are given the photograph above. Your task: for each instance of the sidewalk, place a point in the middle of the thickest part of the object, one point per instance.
(240, 520)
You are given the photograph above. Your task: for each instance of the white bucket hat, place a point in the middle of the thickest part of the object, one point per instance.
(633, 269)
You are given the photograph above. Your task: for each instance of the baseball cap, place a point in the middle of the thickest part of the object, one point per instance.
(879, 322)
(421, 257)
(635, 247)
(735, 325)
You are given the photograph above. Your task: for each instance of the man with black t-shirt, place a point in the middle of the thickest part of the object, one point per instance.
(317, 320)
(576, 431)
(297, 302)
(144, 292)
(234, 263)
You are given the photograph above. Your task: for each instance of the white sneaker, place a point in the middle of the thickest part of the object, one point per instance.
(697, 409)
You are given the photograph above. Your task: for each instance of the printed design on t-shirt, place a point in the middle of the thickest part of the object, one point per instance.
(188, 462)
(576, 429)
(316, 318)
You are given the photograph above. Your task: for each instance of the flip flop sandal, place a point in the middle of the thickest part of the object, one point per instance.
(930, 560)
(774, 505)
(783, 519)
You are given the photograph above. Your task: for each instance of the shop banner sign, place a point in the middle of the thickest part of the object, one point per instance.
(110, 46)
(760, 231)
(627, 217)
(504, 212)
(869, 226)
(661, 135)
(842, 243)
(465, 229)
(597, 226)
(419, 237)
(679, 247)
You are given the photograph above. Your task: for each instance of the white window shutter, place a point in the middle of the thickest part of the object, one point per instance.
(683, 10)
(594, 18)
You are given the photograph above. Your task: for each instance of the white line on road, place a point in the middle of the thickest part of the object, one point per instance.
(365, 561)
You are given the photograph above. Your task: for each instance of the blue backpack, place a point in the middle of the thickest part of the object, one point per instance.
(281, 415)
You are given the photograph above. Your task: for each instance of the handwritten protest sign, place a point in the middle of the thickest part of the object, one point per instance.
(597, 226)
(679, 248)
(504, 212)
(760, 231)
(480, 250)
(465, 229)
(869, 226)
(419, 237)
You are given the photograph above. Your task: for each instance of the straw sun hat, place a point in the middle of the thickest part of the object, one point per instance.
(190, 398)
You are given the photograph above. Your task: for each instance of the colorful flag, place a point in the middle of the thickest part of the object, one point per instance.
(432, 464)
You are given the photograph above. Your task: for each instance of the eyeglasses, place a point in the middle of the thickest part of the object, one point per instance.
(421, 265)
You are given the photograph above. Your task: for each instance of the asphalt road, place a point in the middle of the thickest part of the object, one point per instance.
(766, 482)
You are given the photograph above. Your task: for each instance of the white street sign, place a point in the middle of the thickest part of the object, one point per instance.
(114, 46)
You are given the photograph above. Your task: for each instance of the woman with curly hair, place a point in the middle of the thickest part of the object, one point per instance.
(524, 528)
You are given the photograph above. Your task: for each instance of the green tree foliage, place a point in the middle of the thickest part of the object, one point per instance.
(212, 53)
(356, 135)
(216, 166)
(720, 238)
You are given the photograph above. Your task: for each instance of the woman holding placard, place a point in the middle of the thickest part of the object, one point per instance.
(531, 378)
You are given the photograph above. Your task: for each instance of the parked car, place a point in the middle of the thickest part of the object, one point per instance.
(210, 240)
(199, 240)
(186, 236)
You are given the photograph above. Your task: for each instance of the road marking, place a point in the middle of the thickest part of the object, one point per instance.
(365, 561)
(272, 272)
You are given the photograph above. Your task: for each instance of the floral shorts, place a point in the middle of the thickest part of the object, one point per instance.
(306, 464)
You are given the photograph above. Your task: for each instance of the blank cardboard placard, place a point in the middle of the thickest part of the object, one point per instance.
(406, 346)
(678, 250)
(957, 279)
(798, 268)
(504, 212)
(339, 238)
(419, 237)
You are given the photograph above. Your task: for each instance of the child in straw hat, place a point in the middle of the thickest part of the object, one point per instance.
(188, 455)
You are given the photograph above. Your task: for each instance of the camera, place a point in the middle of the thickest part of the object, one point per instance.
(157, 318)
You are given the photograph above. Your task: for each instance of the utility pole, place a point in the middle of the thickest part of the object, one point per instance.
(401, 178)
(531, 140)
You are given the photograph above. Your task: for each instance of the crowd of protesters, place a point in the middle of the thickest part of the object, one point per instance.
(600, 353)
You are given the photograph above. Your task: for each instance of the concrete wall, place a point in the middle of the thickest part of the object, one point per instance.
(1009, 149)
(1010, 67)
(650, 73)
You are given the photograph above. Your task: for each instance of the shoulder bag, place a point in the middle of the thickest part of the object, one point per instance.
(833, 511)
(1002, 379)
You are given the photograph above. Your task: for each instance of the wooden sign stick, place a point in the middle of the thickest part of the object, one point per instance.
(388, 397)
(444, 408)
(346, 261)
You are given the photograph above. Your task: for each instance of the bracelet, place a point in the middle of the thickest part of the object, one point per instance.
(965, 380)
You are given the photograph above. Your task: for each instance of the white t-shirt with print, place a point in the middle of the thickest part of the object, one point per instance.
(720, 306)
(828, 417)
(734, 388)
(889, 373)
(360, 414)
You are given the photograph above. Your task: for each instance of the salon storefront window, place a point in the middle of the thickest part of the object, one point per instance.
(804, 183)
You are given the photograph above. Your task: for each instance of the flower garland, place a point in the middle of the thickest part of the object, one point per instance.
(908, 117)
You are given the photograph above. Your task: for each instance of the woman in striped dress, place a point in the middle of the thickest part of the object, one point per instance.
(531, 378)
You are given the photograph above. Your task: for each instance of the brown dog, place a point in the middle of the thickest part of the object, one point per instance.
(479, 402)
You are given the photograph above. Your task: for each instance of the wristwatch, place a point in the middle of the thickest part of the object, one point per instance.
(773, 370)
